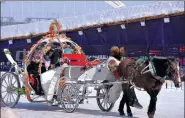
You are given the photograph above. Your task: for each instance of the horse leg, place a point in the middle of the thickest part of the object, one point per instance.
(153, 100)
(121, 105)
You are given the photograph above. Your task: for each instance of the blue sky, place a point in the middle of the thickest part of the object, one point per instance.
(56, 9)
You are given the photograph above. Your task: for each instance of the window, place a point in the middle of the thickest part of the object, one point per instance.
(69, 48)
(55, 45)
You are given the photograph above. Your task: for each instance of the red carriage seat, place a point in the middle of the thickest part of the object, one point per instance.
(76, 59)
(80, 60)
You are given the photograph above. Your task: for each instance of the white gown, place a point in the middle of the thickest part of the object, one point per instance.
(116, 89)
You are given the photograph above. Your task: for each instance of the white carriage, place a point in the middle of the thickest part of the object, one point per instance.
(68, 90)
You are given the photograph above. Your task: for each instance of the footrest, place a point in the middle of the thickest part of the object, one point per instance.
(21, 91)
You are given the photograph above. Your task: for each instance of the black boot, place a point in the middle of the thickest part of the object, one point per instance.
(133, 101)
(121, 113)
(136, 104)
(39, 90)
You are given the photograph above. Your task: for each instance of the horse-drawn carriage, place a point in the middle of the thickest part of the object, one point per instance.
(65, 85)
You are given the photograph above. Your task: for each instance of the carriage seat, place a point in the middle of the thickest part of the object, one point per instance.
(80, 60)
(75, 59)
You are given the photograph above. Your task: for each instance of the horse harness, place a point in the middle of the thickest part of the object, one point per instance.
(148, 68)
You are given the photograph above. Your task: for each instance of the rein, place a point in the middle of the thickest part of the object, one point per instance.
(172, 72)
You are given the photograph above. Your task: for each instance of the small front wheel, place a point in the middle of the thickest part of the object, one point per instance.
(10, 85)
(102, 99)
(69, 98)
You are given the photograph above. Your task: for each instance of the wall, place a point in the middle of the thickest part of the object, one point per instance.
(165, 39)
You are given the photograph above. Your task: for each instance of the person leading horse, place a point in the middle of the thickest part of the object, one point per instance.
(116, 55)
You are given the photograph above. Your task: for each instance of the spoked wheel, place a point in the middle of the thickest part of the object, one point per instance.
(102, 102)
(9, 89)
(69, 98)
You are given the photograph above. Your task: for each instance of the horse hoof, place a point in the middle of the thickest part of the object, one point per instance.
(150, 115)
(130, 115)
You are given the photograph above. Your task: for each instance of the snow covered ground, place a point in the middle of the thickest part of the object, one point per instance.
(170, 105)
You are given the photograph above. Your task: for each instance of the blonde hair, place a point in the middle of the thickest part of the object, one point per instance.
(114, 51)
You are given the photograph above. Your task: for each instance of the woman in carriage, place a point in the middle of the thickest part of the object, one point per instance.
(33, 70)
(51, 55)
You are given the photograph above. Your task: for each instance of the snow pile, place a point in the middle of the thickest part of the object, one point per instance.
(125, 13)
(8, 113)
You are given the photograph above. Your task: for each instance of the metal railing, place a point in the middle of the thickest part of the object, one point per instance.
(170, 85)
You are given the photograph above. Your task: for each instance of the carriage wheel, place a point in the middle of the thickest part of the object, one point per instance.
(9, 89)
(69, 98)
(102, 102)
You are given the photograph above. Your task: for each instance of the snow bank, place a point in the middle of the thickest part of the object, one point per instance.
(8, 113)
(125, 13)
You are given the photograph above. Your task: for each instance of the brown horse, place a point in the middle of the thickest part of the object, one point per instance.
(150, 75)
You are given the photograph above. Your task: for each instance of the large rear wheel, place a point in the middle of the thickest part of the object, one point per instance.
(10, 85)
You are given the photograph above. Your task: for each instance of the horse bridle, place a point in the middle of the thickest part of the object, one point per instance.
(172, 71)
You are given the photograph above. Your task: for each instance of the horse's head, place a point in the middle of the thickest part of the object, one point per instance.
(173, 71)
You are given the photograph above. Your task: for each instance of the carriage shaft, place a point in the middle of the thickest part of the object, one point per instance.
(86, 97)
(98, 84)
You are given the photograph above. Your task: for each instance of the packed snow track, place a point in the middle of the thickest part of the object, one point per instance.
(170, 104)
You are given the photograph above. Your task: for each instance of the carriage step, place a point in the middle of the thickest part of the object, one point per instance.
(21, 91)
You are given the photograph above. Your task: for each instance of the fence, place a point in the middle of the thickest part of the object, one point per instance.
(170, 85)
